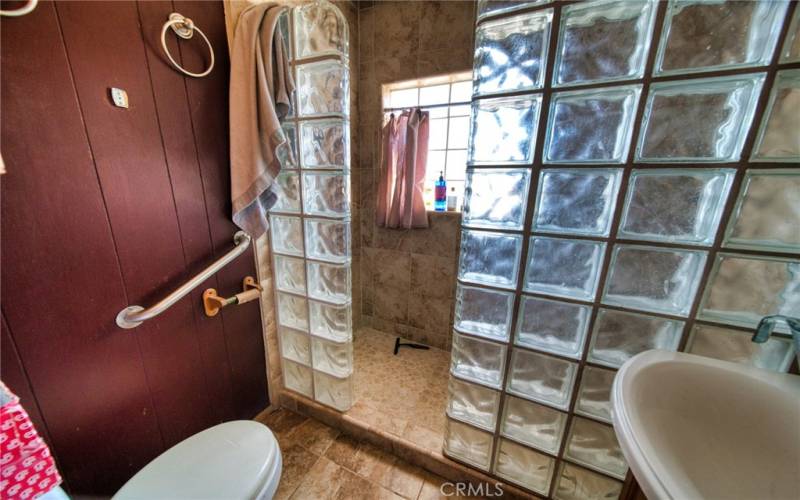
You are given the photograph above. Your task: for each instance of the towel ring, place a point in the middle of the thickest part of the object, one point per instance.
(184, 28)
(25, 9)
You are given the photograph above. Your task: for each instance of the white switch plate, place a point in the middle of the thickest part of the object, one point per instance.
(120, 97)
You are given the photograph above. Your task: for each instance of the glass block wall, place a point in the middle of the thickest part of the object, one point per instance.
(310, 224)
(633, 183)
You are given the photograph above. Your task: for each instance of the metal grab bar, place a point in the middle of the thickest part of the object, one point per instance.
(133, 316)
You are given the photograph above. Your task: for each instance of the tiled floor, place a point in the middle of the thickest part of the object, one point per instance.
(321, 463)
(404, 395)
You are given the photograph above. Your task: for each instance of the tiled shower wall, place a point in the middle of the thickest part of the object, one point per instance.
(633, 185)
(407, 276)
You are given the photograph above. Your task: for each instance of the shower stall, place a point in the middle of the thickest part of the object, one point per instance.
(630, 186)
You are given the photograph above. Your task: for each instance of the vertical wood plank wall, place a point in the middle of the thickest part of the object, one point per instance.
(103, 207)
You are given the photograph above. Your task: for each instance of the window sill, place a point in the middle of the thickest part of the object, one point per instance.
(434, 213)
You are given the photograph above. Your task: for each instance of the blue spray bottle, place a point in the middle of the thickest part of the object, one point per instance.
(440, 194)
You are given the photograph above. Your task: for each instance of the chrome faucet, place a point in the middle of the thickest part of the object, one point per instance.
(767, 325)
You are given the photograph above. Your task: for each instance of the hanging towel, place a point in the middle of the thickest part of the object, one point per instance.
(261, 83)
(404, 155)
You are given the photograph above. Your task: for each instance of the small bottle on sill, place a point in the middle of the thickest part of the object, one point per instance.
(440, 195)
(452, 200)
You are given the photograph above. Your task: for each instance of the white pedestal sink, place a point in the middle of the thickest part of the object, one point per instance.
(694, 427)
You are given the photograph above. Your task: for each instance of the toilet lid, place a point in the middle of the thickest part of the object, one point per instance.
(231, 460)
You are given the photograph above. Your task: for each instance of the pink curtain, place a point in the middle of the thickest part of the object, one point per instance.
(404, 153)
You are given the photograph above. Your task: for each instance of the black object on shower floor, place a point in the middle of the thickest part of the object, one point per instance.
(398, 345)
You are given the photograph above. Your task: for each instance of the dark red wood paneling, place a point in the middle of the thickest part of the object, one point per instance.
(130, 162)
(105, 207)
(210, 118)
(177, 133)
(61, 282)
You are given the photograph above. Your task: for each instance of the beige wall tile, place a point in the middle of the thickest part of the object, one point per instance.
(458, 17)
(391, 304)
(429, 313)
(391, 268)
(433, 276)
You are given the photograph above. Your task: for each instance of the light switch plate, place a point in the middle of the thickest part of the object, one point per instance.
(120, 97)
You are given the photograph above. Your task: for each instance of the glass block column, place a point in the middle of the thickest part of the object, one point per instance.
(310, 225)
(618, 199)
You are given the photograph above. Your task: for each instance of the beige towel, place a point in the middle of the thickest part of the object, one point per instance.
(261, 83)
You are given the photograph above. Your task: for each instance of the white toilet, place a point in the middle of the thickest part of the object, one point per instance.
(234, 460)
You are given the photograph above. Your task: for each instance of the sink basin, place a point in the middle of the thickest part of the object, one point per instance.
(695, 427)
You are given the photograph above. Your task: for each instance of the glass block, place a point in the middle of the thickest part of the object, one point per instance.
(320, 29)
(591, 126)
(564, 268)
(325, 144)
(483, 312)
(326, 194)
(496, 198)
(577, 483)
(594, 395)
(323, 88)
(552, 326)
(619, 336)
(295, 345)
(576, 201)
(404, 98)
(288, 154)
(489, 258)
(595, 445)
(523, 466)
(331, 357)
(328, 240)
(468, 444)
(675, 206)
(333, 391)
(778, 139)
(473, 404)
(434, 94)
(791, 46)
(767, 212)
(775, 354)
(330, 321)
(290, 274)
(703, 120)
(603, 41)
(510, 53)
(478, 360)
(742, 289)
(541, 378)
(654, 279)
(494, 7)
(504, 130)
(283, 27)
(457, 136)
(329, 282)
(701, 35)
(286, 235)
(292, 311)
(287, 190)
(298, 378)
(533, 424)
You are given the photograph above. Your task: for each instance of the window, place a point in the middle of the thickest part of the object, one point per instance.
(447, 99)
